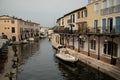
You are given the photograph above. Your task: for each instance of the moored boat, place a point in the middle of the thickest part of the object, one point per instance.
(24, 41)
(31, 39)
(65, 56)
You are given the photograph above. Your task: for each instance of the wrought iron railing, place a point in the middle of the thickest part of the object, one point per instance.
(98, 30)
(110, 10)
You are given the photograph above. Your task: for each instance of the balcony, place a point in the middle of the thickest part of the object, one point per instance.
(110, 10)
(94, 30)
(69, 21)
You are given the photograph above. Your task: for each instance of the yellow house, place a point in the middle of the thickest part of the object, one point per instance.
(94, 15)
(60, 21)
(110, 12)
(81, 19)
(17, 29)
(104, 15)
(70, 20)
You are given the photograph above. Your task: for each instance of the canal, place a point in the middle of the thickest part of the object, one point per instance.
(37, 62)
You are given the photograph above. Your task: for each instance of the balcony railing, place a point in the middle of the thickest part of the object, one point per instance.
(94, 30)
(110, 10)
(97, 30)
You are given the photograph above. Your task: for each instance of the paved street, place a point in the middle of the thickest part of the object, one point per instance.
(8, 65)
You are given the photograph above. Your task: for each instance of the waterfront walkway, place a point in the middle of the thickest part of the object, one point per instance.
(8, 66)
(106, 68)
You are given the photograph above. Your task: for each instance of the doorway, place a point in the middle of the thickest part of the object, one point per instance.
(108, 48)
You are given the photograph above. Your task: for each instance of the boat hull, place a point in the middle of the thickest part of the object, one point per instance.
(24, 42)
(70, 60)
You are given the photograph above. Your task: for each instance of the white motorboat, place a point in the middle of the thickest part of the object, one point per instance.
(24, 41)
(65, 56)
(31, 39)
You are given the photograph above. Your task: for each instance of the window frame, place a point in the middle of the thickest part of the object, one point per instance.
(96, 8)
(12, 21)
(93, 44)
(13, 29)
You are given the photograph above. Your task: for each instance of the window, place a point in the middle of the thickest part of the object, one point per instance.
(62, 21)
(104, 4)
(96, 8)
(81, 43)
(111, 3)
(12, 21)
(13, 29)
(82, 14)
(73, 18)
(95, 25)
(93, 44)
(85, 12)
(78, 15)
(109, 50)
(118, 2)
(89, 1)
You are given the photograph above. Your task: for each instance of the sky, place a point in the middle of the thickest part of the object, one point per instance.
(44, 12)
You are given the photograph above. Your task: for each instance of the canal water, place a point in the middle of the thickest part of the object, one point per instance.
(37, 62)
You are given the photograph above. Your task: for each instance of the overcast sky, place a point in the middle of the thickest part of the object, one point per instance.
(44, 12)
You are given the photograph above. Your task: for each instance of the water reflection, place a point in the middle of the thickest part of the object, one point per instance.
(80, 71)
(28, 50)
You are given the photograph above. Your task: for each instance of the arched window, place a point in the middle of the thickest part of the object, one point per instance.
(13, 38)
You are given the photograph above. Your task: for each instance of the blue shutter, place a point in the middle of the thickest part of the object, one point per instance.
(103, 24)
(117, 24)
